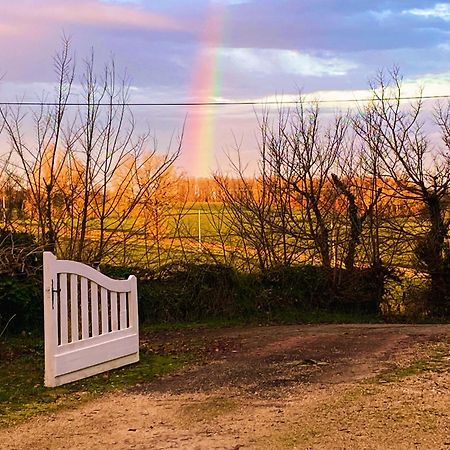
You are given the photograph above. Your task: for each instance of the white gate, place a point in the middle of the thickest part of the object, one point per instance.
(90, 321)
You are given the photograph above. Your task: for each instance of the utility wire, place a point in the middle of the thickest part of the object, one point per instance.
(231, 103)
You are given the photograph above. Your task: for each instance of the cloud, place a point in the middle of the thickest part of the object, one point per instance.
(86, 12)
(231, 2)
(139, 36)
(440, 10)
(427, 85)
(272, 61)
(122, 1)
(382, 15)
(265, 46)
(89, 12)
(327, 25)
(7, 30)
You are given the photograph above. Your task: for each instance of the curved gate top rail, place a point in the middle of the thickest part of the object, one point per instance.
(90, 321)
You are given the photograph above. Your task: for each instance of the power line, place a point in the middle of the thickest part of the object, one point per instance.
(231, 103)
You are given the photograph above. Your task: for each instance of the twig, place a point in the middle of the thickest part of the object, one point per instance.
(7, 323)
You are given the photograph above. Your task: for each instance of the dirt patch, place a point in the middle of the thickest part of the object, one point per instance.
(265, 358)
(272, 387)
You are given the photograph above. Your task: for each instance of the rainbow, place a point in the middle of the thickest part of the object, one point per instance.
(200, 123)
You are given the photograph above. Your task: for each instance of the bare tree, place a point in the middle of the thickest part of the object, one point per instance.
(301, 154)
(360, 190)
(416, 173)
(287, 212)
(39, 161)
(89, 170)
(252, 219)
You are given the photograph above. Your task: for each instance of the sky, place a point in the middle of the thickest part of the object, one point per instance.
(226, 50)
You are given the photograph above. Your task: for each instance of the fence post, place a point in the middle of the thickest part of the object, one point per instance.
(199, 230)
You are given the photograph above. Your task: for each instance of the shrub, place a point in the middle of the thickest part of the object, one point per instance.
(196, 292)
(360, 290)
(189, 292)
(303, 287)
(20, 282)
(21, 299)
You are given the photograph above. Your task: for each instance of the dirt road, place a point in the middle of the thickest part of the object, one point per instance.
(283, 387)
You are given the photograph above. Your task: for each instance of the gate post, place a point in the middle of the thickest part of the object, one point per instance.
(50, 318)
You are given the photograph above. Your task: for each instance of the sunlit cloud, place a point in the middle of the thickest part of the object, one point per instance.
(427, 85)
(88, 12)
(432, 85)
(440, 10)
(268, 61)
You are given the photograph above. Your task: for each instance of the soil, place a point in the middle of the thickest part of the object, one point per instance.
(279, 387)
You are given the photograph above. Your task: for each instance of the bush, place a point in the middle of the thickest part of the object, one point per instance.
(192, 292)
(189, 292)
(21, 299)
(196, 292)
(18, 253)
(303, 287)
(360, 290)
(311, 287)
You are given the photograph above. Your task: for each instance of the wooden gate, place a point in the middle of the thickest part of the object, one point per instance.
(90, 321)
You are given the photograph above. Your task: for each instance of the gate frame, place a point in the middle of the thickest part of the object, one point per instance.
(104, 351)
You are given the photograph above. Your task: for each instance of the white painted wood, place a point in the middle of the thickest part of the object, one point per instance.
(84, 308)
(133, 305)
(96, 354)
(94, 308)
(105, 311)
(63, 316)
(123, 311)
(50, 319)
(65, 266)
(95, 350)
(74, 308)
(114, 312)
(94, 370)
(101, 339)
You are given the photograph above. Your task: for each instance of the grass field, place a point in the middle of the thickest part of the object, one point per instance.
(201, 231)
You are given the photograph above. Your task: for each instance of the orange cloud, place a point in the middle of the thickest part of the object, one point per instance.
(95, 13)
(90, 12)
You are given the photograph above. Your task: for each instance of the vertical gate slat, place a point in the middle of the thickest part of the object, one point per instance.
(63, 308)
(105, 312)
(84, 308)
(123, 310)
(74, 308)
(55, 301)
(114, 312)
(94, 308)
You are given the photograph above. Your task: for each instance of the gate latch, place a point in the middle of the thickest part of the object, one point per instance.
(54, 291)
